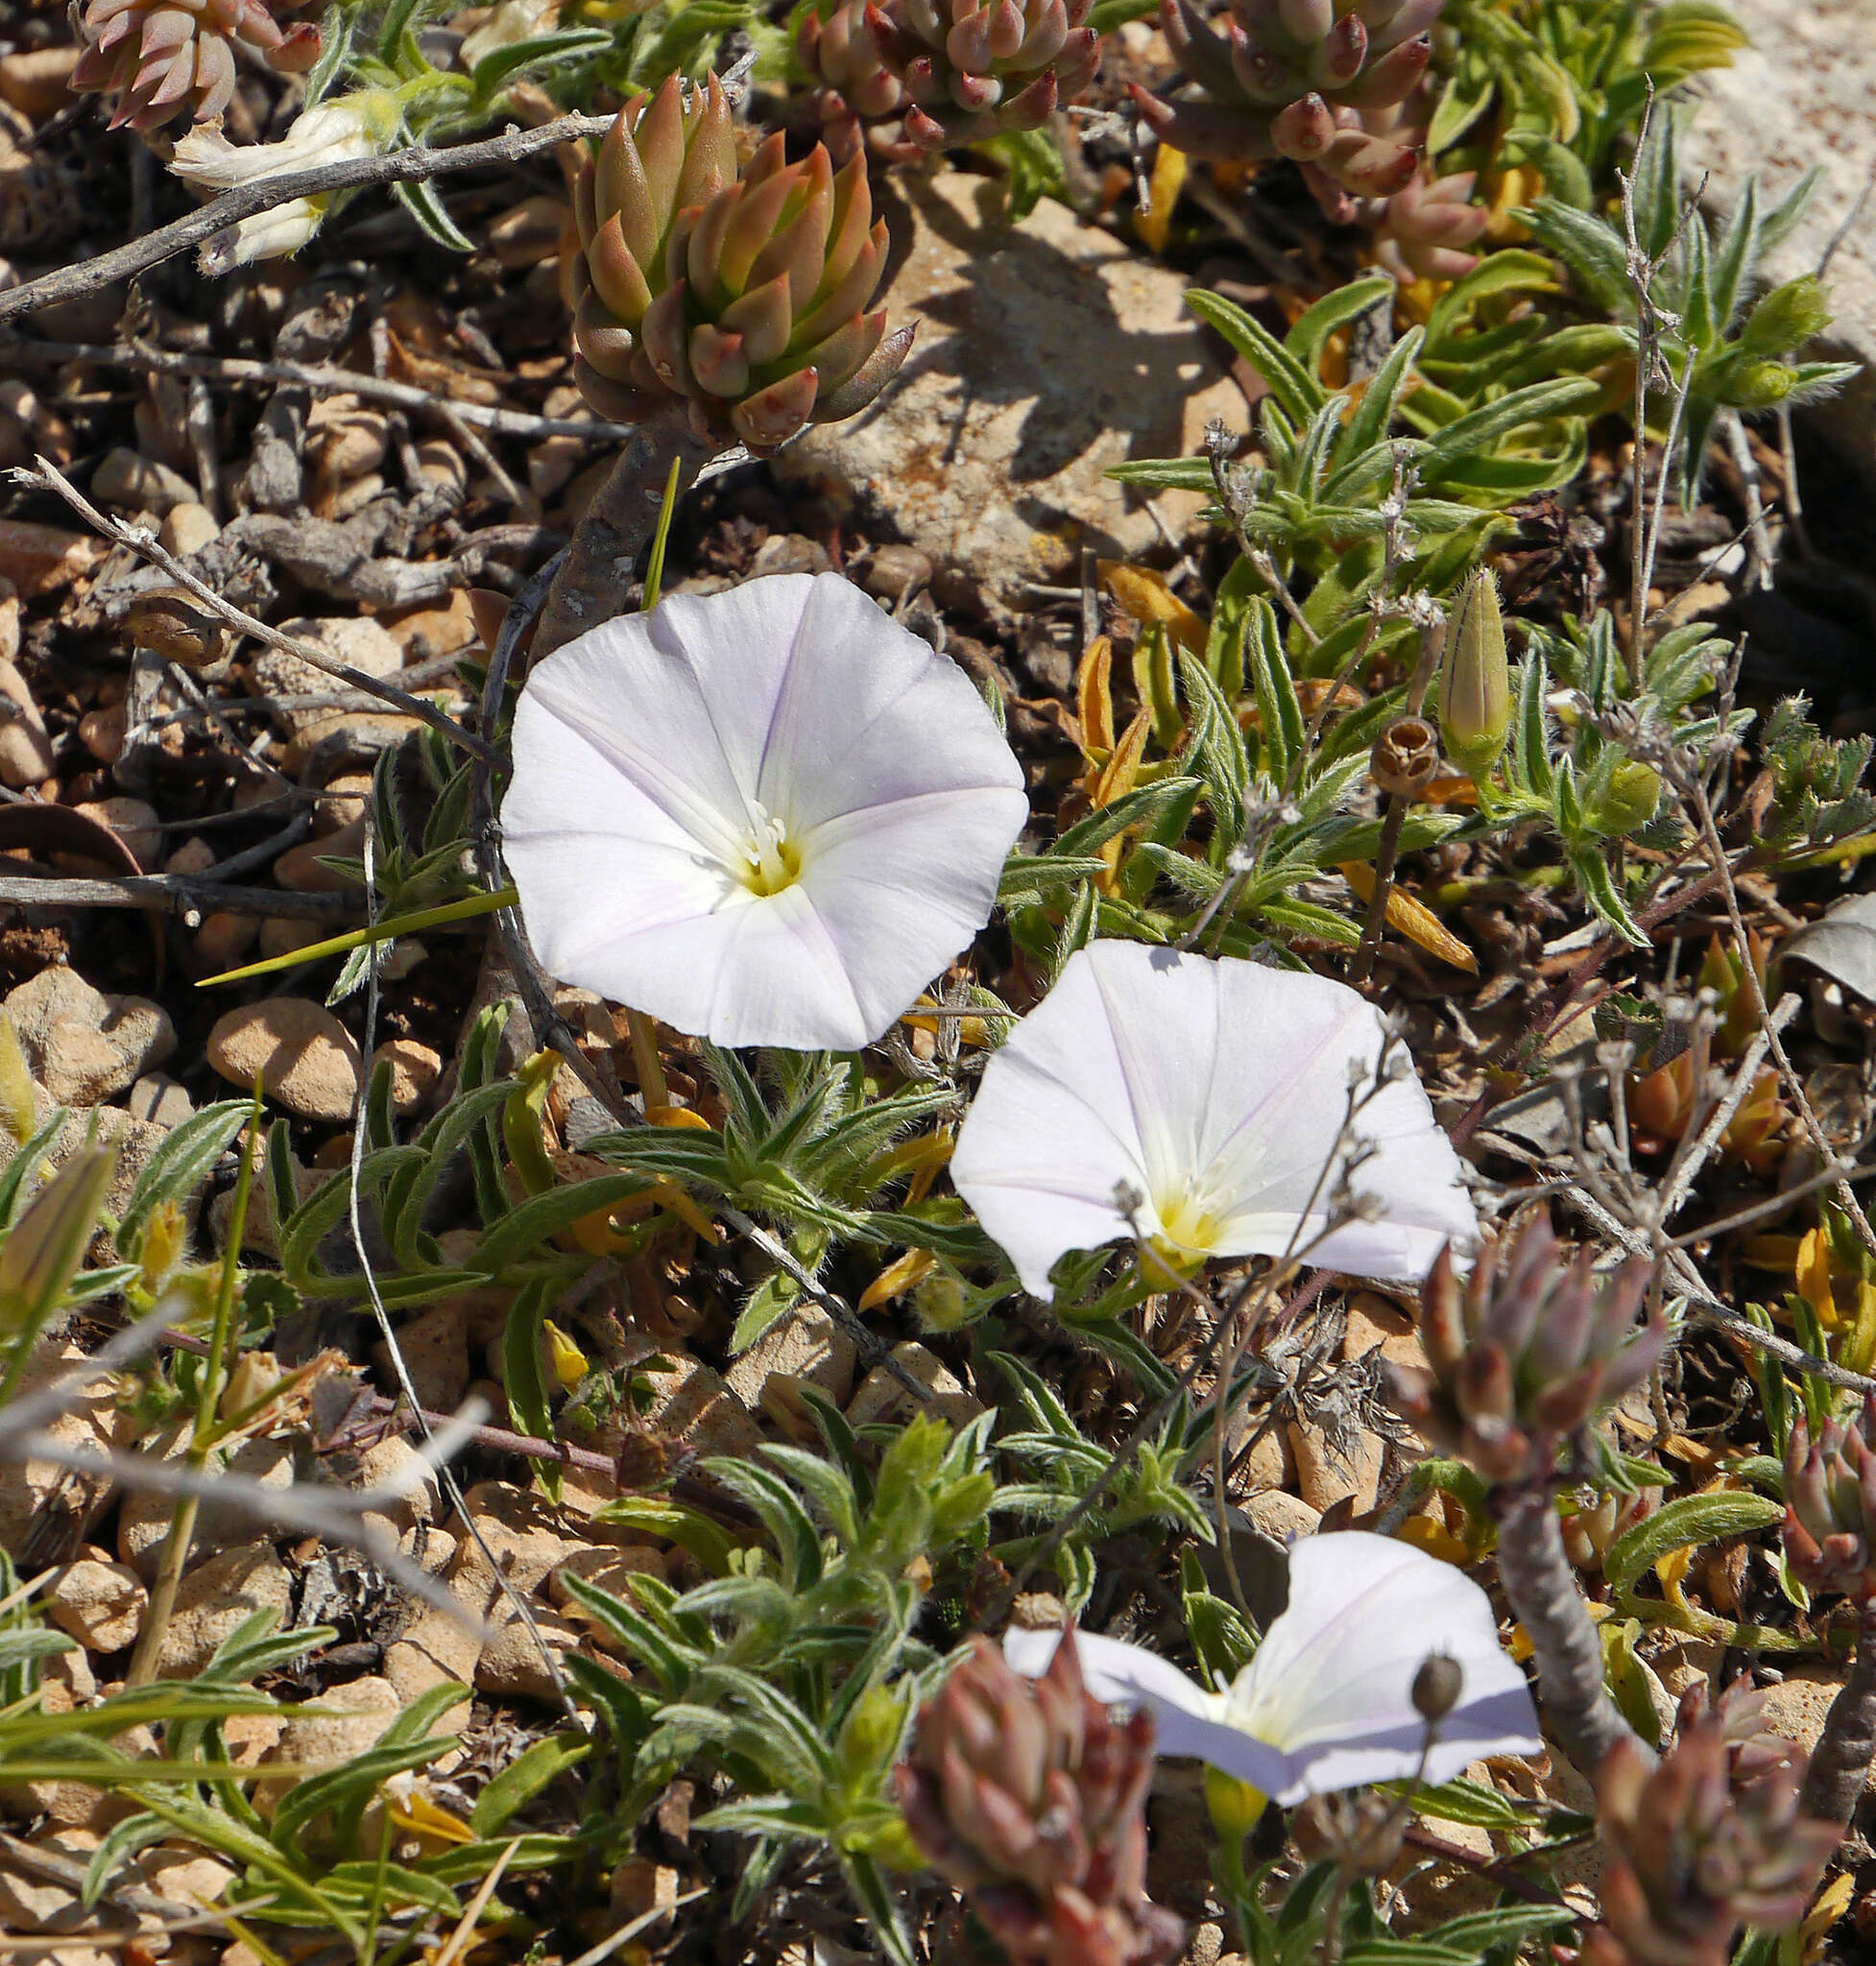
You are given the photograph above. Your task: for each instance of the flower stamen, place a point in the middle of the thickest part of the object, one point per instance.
(771, 862)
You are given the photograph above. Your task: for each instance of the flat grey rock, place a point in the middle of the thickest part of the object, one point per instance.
(1804, 94)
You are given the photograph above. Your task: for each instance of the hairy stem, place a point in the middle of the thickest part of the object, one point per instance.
(591, 583)
(1840, 1764)
(1537, 1577)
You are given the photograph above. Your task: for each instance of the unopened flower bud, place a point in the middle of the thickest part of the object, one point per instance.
(1762, 385)
(1786, 317)
(1631, 802)
(1437, 1687)
(1475, 691)
(1405, 757)
(42, 1252)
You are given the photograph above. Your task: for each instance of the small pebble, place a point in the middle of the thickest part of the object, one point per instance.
(415, 1070)
(894, 571)
(25, 749)
(304, 1056)
(139, 484)
(135, 822)
(187, 528)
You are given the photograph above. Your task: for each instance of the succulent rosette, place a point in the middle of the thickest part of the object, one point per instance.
(1030, 1798)
(159, 58)
(741, 291)
(1714, 1838)
(857, 93)
(971, 70)
(1830, 1495)
(1525, 1353)
(1424, 230)
(1299, 79)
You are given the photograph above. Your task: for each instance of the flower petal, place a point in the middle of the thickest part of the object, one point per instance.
(1330, 1685)
(1052, 1133)
(1186, 1716)
(788, 722)
(1228, 1084)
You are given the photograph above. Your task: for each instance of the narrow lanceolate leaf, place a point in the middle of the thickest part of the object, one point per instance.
(1685, 1523)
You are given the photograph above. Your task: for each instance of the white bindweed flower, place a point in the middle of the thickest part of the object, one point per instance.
(1218, 1090)
(1327, 1701)
(353, 125)
(768, 816)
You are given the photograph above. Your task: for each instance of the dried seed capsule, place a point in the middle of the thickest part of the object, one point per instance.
(1405, 757)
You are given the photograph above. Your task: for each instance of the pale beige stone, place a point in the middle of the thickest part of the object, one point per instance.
(1047, 353)
(882, 1396)
(81, 1044)
(511, 1665)
(1801, 97)
(26, 755)
(214, 1597)
(1327, 1474)
(306, 1058)
(694, 1404)
(189, 527)
(101, 1604)
(143, 1521)
(805, 1345)
(1795, 1708)
(415, 1072)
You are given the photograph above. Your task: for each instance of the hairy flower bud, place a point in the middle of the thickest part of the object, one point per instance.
(741, 291)
(1712, 1839)
(1829, 1504)
(971, 69)
(1298, 78)
(1524, 1354)
(1632, 797)
(1475, 686)
(1029, 1798)
(159, 58)
(43, 1249)
(1786, 317)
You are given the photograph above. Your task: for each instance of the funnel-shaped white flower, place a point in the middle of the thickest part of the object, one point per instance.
(1217, 1091)
(1327, 1701)
(768, 816)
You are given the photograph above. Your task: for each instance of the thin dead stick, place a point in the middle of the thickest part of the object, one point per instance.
(398, 167)
(47, 477)
(176, 893)
(1695, 793)
(321, 379)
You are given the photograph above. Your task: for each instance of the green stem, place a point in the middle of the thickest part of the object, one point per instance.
(464, 910)
(216, 1365)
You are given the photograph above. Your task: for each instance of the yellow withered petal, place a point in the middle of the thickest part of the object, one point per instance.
(1412, 918)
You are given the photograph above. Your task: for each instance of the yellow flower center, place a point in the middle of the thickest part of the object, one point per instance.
(770, 861)
(1187, 1223)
